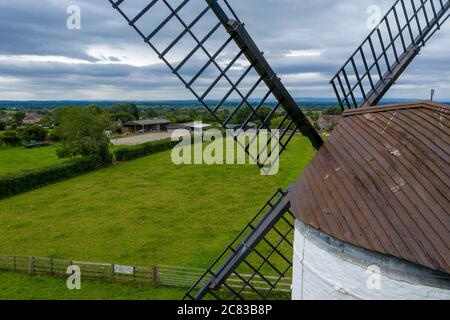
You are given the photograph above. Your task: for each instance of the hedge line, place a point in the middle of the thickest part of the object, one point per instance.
(23, 181)
(125, 153)
(16, 183)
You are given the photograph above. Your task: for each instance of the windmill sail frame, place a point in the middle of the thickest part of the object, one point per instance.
(265, 84)
(376, 64)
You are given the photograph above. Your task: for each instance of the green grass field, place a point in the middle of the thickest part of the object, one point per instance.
(143, 212)
(13, 159)
(15, 286)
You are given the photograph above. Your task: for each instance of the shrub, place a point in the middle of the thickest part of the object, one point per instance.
(53, 136)
(11, 138)
(2, 125)
(125, 153)
(23, 181)
(34, 133)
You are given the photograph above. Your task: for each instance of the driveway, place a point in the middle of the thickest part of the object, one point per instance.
(141, 138)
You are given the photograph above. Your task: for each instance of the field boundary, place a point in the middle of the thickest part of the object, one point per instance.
(109, 272)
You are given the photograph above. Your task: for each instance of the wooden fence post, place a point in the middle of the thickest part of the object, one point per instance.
(31, 265)
(112, 271)
(155, 276)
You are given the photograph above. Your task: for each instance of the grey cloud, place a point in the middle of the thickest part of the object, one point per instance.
(335, 28)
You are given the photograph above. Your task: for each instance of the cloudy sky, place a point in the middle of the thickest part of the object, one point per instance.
(305, 42)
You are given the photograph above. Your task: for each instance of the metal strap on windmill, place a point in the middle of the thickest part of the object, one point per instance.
(208, 49)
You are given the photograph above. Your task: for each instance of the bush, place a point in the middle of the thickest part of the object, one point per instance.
(34, 133)
(125, 153)
(23, 181)
(11, 138)
(53, 136)
(2, 125)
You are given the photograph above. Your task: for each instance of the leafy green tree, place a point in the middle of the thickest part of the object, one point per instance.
(82, 132)
(333, 111)
(316, 126)
(58, 113)
(53, 136)
(11, 138)
(47, 121)
(244, 112)
(123, 117)
(126, 107)
(18, 117)
(2, 125)
(34, 133)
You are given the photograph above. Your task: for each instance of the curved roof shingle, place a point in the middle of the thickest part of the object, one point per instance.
(382, 182)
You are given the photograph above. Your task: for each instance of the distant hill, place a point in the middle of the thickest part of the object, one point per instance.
(50, 104)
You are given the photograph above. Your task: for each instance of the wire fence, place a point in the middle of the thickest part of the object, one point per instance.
(150, 275)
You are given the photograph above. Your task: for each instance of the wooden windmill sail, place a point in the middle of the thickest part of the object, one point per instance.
(207, 47)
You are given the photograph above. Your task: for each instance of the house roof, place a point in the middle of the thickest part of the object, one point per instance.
(146, 122)
(33, 117)
(330, 118)
(382, 182)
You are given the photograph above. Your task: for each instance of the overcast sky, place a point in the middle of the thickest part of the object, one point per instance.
(305, 42)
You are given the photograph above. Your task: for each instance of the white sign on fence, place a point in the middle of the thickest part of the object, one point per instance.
(123, 269)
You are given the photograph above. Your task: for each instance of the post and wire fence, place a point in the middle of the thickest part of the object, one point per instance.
(157, 275)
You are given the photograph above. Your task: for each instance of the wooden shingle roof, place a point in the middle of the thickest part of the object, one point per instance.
(382, 182)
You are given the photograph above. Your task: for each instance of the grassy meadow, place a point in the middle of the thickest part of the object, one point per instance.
(143, 212)
(13, 159)
(14, 286)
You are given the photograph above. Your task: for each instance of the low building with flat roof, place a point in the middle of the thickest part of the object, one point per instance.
(196, 126)
(146, 125)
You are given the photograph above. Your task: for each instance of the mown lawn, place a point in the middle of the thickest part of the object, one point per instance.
(13, 159)
(143, 212)
(14, 286)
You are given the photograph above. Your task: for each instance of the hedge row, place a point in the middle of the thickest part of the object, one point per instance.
(23, 181)
(126, 153)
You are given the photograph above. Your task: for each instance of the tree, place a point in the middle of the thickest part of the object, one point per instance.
(34, 133)
(11, 138)
(18, 117)
(122, 117)
(82, 132)
(126, 107)
(2, 125)
(333, 111)
(47, 121)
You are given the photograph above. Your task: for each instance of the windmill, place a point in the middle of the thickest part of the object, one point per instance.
(207, 47)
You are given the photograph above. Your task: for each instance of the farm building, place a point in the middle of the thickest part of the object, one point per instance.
(248, 126)
(196, 126)
(146, 125)
(326, 122)
(375, 199)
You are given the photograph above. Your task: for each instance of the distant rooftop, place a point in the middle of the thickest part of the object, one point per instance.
(147, 122)
(381, 182)
(196, 125)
